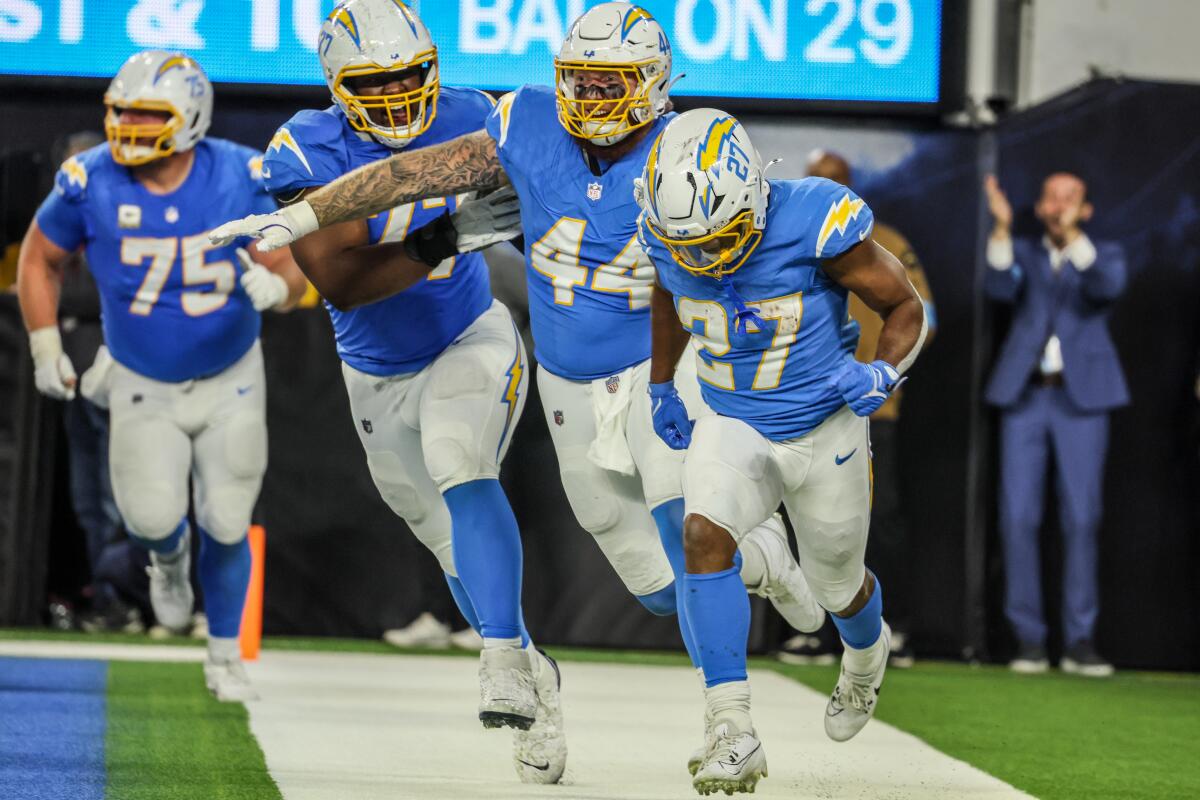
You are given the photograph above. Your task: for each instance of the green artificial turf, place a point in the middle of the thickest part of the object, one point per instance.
(1055, 736)
(168, 739)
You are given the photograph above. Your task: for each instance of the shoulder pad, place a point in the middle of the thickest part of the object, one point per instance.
(845, 218)
(306, 151)
(71, 180)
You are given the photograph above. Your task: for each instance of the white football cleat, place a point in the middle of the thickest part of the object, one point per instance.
(228, 681)
(424, 631)
(507, 692)
(855, 697)
(540, 753)
(735, 761)
(784, 584)
(171, 594)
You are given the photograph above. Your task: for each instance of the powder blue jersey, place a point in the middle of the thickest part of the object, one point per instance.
(173, 308)
(774, 373)
(589, 281)
(405, 332)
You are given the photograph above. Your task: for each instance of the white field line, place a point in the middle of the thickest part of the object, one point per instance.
(100, 651)
(337, 726)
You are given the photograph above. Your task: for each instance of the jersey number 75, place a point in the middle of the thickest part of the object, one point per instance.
(135, 250)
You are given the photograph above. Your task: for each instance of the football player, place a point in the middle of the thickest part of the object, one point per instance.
(183, 372)
(571, 152)
(757, 273)
(436, 374)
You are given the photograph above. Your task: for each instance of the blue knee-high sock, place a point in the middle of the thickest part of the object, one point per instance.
(164, 546)
(487, 555)
(462, 600)
(467, 609)
(862, 630)
(669, 519)
(719, 612)
(224, 571)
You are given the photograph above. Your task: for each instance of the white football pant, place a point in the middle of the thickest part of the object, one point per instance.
(736, 477)
(214, 429)
(613, 504)
(451, 423)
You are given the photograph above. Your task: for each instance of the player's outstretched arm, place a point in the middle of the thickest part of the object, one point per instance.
(668, 341)
(468, 163)
(39, 280)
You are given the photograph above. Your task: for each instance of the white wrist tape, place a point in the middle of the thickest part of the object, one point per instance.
(45, 344)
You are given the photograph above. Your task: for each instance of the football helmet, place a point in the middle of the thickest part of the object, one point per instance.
(372, 37)
(622, 39)
(703, 193)
(157, 80)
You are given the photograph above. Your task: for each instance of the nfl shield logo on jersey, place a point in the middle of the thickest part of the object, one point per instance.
(558, 417)
(368, 428)
(595, 190)
(613, 384)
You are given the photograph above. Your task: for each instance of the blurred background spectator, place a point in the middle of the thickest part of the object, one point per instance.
(888, 547)
(1055, 382)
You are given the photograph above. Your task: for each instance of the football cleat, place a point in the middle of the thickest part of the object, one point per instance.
(171, 594)
(540, 753)
(228, 681)
(507, 692)
(855, 697)
(784, 584)
(735, 762)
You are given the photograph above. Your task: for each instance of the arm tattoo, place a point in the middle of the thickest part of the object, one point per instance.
(465, 164)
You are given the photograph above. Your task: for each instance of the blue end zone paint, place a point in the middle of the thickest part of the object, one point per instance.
(52, 719)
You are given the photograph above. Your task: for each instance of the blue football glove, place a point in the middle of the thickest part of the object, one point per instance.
(866, 387)
(670, 416)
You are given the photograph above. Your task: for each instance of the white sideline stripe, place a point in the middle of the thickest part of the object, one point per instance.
(100, 651)
(352, 726)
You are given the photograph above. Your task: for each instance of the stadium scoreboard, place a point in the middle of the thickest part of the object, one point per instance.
(874, 51)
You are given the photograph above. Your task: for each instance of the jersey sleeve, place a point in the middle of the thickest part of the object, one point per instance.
(61, 216)
(307, 151)
(514, 124)
(840, 219)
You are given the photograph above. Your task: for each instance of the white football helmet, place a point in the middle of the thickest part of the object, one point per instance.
(703, 193)
(373, 37)
(156, 80)
(618, 38)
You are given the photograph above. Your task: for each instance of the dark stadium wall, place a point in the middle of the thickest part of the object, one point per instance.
(339, 562)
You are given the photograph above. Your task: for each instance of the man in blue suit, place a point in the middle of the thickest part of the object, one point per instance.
(1055, 382)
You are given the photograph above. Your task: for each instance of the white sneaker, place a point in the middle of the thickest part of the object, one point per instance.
(540, 753)
(855, 697)
(171, 594)
(228, 681)
(735, 762)
(425, 631)
(507, 693)
(784, 584)
(199, 626)
(466, 639)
